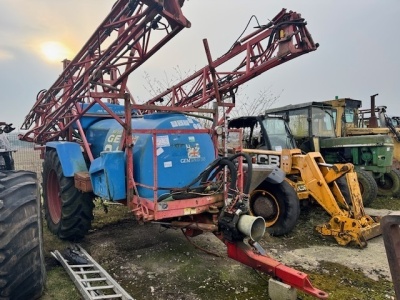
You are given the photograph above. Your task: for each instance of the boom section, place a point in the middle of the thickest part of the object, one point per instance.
(131, 33)
(284, 38)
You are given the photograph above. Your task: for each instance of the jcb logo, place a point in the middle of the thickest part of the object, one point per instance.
(266, 159)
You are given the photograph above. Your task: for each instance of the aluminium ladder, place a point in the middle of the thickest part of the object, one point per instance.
(92, 281)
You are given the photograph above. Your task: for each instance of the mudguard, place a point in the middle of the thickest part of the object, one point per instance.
(276, 176)
(108, 177)
(71, 157)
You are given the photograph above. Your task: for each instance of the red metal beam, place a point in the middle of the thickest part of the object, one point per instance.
(121, 43)
(246, 255)
(285, 38)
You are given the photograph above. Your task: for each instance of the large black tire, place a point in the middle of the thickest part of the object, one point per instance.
(278, 204)
(68, 212)
(22, 270)
(344, 189)
(390, 185)
(368, 186)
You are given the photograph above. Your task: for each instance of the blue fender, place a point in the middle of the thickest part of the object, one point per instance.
(71, 157)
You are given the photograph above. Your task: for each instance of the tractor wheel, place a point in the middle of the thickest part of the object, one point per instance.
(68, 212)
(390, 185)
(368, 186)
(344, 189)
(22, 270)
(278, 204)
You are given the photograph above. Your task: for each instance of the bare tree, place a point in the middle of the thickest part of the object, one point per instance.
(246, 106)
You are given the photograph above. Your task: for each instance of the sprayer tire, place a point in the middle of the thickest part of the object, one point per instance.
(283, 201)
(391, 186)
(22, 271)
(68, 211)
(368, 187)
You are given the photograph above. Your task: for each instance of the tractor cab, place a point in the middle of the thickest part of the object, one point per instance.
(309, 122)
(269, 132)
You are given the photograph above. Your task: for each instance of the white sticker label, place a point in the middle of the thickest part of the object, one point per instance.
(167, 164)
(159, 151)
(180, 123)
(162, 141)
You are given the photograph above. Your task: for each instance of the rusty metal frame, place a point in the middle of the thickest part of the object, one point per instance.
(285, 38)
(391, 238)
(99, 72)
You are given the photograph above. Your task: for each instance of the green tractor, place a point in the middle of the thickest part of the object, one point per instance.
(313, 128)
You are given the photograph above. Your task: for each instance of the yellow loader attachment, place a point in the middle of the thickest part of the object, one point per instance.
(349, 222)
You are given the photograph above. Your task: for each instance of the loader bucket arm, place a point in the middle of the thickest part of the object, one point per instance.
(348, 223)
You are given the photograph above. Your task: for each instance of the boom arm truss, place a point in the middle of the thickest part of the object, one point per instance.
(284, 38)
(121, 43)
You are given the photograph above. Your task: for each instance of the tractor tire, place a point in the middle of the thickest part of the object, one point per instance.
(391, 184)
(344, 189)
(368, 187)
(68, 211)
(278, 204)
(22, 269)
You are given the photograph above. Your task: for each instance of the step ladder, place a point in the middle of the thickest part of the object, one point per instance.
(92, 281)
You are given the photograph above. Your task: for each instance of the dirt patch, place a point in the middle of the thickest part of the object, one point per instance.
(154, 263)
(151, 262)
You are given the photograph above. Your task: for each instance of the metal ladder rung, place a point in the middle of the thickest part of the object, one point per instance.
(100, 287)
(79, 274)
(92, 279)
(88, 272)
(107, 296)
(82, 266)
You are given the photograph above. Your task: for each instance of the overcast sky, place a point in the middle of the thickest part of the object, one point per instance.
(358, 54)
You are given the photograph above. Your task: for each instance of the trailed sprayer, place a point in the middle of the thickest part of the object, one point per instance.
(159, 160)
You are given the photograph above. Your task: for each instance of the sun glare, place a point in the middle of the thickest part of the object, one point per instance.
(55, 51)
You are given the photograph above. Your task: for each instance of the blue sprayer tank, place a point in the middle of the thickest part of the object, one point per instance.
(180, 157)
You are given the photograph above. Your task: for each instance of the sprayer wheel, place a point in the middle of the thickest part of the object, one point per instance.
(68, 211)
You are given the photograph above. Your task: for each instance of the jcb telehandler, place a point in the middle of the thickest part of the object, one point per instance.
(335, 187)
(313, 127)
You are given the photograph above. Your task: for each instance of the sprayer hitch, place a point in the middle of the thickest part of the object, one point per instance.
(251, 255)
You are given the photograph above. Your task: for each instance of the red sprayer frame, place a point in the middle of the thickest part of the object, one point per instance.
(99, 74)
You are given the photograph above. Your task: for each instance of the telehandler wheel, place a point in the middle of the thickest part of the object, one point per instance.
(278, 204)
(390, 185)
(22, 269)
(68, 212)
(368, 187)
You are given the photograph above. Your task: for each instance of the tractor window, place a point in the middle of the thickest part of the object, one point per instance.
(322, 122)
(278, 134)
(298, 122)
(349, 116)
